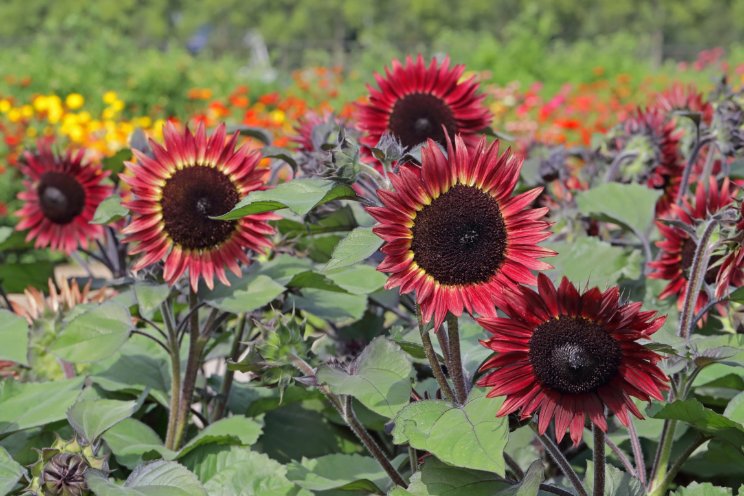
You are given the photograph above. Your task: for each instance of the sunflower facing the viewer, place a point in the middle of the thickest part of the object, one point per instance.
(565, 356)
(190, 180)
(454, 233)
(414, 103)
(61, 196)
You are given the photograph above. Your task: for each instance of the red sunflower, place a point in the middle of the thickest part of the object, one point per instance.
(61, 196)
(731, 273)
(567, 356)
(453, 232)
(657, 163)
(678, 248)
(681, 97)
(190, 180)
(415, 103)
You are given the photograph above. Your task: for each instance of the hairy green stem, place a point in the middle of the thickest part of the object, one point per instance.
(455, 359)
(659, 471)
(697, 277)
(599, 460)
(196, 346)
(662, 486)
(175, 361)
(621, 456)
(640, 462)
(431, 355)
(560, 460)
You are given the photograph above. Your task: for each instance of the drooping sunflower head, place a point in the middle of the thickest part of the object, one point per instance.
(651, 143)
(677, 247)
(415, 103)
(688, 98)
(454, 233)
(61, 195)
(178, 191)
(568, 356)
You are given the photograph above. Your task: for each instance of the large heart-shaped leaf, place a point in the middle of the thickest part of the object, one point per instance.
(439, 479)
(30, 404)
(358, 245)
(159, 478)
(91, 418)
(13, 338)
(96, 333)
(704, 419)
(630, 205)
(339, 471)
(469, 436)
(10, 471)
(378, 378)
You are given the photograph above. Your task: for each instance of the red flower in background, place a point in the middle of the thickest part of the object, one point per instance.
(414, 103)
(61, 196)
(453, 232)
(176, 194)
(681, 97)
(566, 356)
(678, 248)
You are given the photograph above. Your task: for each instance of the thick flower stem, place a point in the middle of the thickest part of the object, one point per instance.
(661, 488)
(175, 361)
(561, 461)
(455, 363)
(431, 355)
(345, 409)
(700, 142)
(640, 462)
(196, 346)
(697, 276)
(659, 472)
(599, 461)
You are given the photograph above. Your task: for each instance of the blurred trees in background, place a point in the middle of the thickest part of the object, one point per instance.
(332, 30)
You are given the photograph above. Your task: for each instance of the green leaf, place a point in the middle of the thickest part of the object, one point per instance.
(358, 279)
(282, 268)
(704, 419)
(134, 371)
(20, 275)
(379, 378)
(738, 295)
(109, 210)
(617, 482)
(91, 418)
(311, 279)
(704, 489)
(93, 335)
(249, 473)
(339, 471)
(630, 205)
(530, 485)
(13, 338)
(5, 232)
(338, 307)
(149, 297)
(255, 293)
(359, 245)
(470, 436)
(299, 195)
(439, 479)
(31, 404)
(10, 472)
(159, 478)
(130, 439)
(257, 133)
(588, 260)
(735, 409)
(232, 430)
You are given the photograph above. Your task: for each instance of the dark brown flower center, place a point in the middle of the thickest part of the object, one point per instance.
(61, 197)
(190, 197)
(419, 116)
(573, 355)
(460, 237)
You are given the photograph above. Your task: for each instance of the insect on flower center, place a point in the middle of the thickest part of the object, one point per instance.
(573, 355)
(61, 197)
(191, 197)
(419, 116)
(460, 237)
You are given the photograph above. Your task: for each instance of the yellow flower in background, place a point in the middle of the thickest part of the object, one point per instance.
(5, 105)
(74, 101)
(278, 116)
(110, 97)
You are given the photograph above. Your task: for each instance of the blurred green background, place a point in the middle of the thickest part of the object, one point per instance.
(153, 51)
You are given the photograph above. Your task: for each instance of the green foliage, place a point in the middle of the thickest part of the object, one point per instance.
(92, 418)
(13, 338)
(470, 436)
(378, 378)
(10, 472)
(159, 478)
(109, 210)
(630, 205)
(28, 405)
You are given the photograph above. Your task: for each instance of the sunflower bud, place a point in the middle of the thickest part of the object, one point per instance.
(64, 475)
